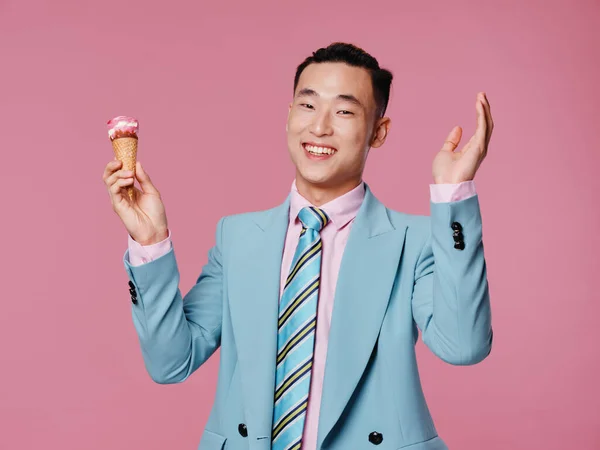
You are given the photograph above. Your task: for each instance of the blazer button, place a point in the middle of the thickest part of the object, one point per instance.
(460, 245)
(457, 235)
(131, 285)
(243, 430)
(456, 226)
(375, 438)
(133, 295)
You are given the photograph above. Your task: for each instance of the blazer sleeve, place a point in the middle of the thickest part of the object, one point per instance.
(177, 335)
(451, 301)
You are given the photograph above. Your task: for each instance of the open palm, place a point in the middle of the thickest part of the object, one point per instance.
(455, 167)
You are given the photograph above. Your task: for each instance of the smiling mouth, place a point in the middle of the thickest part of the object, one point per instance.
(319, 150)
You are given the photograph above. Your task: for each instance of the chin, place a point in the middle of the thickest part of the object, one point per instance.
(316, 178)
(317, 174)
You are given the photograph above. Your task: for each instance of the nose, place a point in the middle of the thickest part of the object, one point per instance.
(321, 124)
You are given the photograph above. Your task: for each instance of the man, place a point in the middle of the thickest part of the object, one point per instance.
(316, 303)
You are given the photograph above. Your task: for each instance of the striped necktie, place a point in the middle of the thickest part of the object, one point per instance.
(296, 333)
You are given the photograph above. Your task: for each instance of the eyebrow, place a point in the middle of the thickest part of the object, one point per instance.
(347, 97)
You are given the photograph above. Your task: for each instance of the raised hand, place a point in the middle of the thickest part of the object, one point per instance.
(455, 167)
(144, 217)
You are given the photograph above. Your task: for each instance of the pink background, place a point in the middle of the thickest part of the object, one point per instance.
(210, 84)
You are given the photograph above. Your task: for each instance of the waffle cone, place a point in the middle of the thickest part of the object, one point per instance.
(125, 149)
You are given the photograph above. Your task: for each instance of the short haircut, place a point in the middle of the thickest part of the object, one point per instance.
(381, 79)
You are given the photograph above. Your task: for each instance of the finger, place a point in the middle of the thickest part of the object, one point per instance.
(110, 168)
(488, 118)
(118, 194)
(144, 179)
(115, 188)
(117, 175)
(453, 139)
(481, 131)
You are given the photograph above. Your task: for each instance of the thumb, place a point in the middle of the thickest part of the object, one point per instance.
(453, 139)
(144, 179)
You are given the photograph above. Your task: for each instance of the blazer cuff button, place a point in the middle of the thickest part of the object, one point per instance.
(456, 226)
(375, 438)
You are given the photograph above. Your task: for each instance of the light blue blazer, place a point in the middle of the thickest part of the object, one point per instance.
(399, 271)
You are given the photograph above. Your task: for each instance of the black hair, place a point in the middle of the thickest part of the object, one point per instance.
(352, 55)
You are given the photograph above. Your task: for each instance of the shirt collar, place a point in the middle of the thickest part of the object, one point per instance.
(340, 210)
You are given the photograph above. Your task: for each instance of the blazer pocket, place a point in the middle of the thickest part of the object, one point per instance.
(212, 441)
(434, 443)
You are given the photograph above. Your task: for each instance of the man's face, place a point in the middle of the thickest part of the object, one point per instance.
(331, 125)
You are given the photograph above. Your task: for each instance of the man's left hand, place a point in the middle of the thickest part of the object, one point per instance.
(455, 167)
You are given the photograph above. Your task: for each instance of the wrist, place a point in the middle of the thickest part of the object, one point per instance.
(442, 181)
(155, 239)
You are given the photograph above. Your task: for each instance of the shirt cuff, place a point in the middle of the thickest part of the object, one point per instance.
(141, 254)
(443, 193)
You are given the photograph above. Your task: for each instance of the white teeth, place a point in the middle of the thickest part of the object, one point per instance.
(319, 150)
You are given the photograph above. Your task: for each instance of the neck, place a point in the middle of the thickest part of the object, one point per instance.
(318, 194)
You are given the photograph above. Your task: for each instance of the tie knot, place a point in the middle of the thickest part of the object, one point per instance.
(313, 218)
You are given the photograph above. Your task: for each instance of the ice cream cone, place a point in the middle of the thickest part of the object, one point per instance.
(125, 149)
(122, 131)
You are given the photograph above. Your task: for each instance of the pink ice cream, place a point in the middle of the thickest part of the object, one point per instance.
(122, 126)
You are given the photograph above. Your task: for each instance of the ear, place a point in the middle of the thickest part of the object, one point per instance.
(288, 117)
(382, 128)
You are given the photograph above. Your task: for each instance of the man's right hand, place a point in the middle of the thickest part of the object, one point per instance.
(144, 217)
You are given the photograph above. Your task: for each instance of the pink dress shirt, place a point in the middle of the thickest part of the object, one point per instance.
(342, 212)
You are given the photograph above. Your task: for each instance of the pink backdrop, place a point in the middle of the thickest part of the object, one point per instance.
(210, 84)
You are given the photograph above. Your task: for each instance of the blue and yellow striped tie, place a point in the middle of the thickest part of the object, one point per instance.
(296, 333)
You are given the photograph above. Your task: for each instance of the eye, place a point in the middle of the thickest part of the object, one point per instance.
(345, 112)
(306, 105)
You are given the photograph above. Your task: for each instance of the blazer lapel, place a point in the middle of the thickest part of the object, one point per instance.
(367, 273)
(254, 279)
